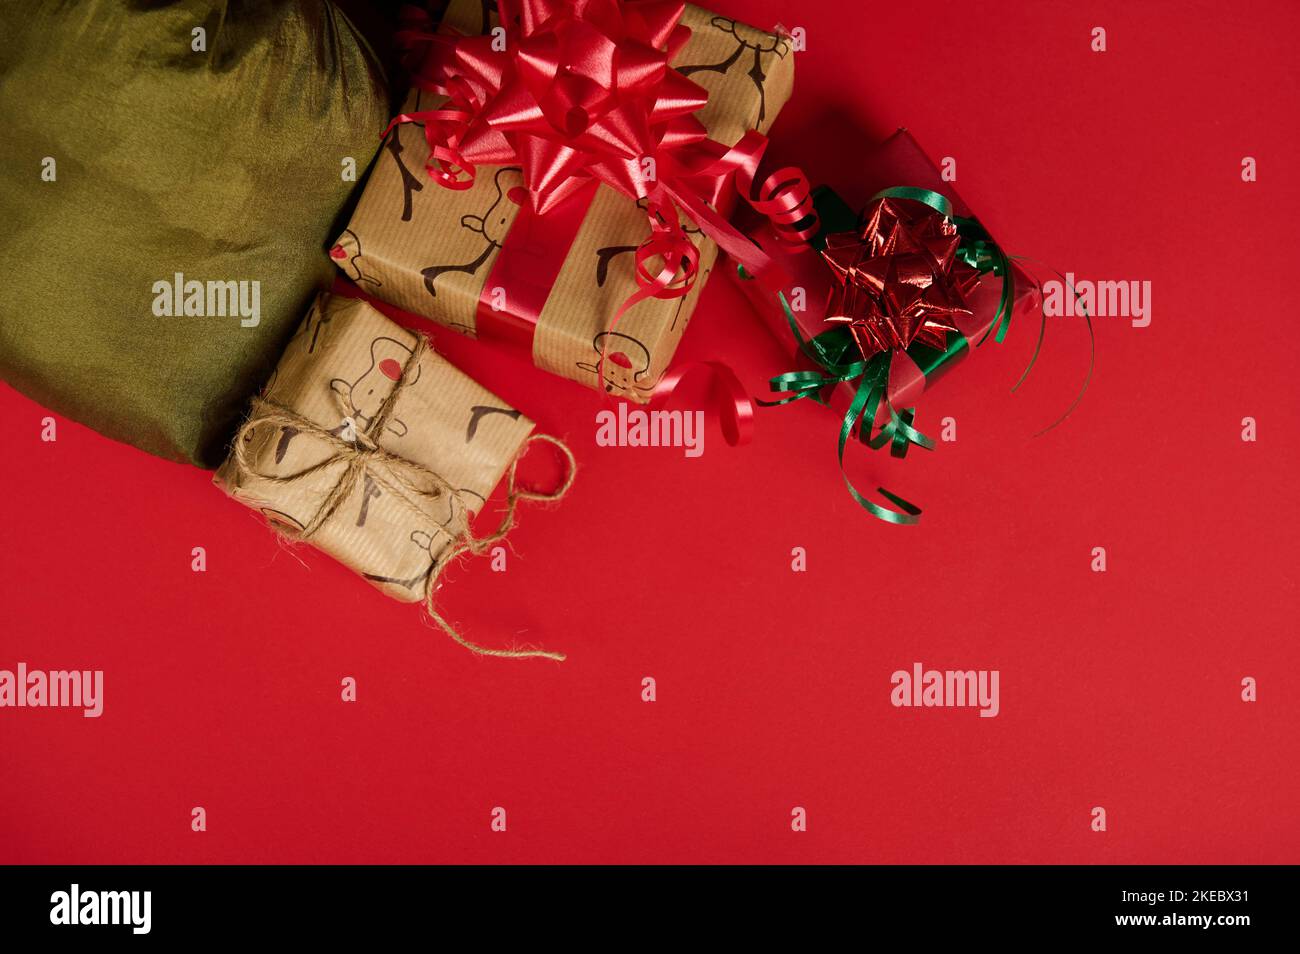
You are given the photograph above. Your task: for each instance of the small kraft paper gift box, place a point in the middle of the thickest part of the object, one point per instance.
(376, 450)
(546, 249)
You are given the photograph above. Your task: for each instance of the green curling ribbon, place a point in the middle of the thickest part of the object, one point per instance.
(940, 203)
(837, 354)
(866, 403)
(1042, 330)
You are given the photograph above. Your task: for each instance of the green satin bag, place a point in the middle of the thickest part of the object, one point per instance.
(127, 157)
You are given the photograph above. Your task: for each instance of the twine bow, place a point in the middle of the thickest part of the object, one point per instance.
(409, 483)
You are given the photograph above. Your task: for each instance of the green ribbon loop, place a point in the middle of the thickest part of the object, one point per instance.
(865, 404)
(935, 200)
(836, 353)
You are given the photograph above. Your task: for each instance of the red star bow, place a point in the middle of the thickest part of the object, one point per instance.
(573, 91)
(899, 277)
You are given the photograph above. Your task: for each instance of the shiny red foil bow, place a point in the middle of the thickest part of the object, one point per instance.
(574, 91)
(899, 279)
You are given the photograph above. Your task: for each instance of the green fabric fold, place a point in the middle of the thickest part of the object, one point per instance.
(224, 165)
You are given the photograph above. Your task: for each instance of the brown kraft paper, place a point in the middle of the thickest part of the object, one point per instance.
(445, 444)
(429, 250)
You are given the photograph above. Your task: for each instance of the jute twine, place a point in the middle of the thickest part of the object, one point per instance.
(405, 480)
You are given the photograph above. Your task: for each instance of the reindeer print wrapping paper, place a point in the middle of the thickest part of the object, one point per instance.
(429, 250)
(339, 368)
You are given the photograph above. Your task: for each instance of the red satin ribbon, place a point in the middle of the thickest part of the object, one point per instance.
(736, 406)
(525, 270)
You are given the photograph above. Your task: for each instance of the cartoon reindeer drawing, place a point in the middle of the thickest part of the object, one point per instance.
(492, 225)
(479, 411)
(350, 264)
(364, 396)
(411, 183)
(425, 541)
(760, 45)
(606, 256)
(312, 331)
(626, 364)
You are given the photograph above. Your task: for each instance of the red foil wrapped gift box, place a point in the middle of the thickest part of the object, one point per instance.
(898, 162)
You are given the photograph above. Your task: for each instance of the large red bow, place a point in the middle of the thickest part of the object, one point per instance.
(899, 278)
(575, 91)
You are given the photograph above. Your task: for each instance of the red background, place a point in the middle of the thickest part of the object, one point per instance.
(1119, 690)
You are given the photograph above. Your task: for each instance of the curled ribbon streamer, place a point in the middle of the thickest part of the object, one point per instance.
(671, 246)
(785, 197)
(737, 414)
(410, 483)
(445, 165)
(861, 413)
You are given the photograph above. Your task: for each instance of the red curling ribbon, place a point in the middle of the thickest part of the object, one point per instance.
(679, 265)
(445, 164)
(736, 408)
(785, 197)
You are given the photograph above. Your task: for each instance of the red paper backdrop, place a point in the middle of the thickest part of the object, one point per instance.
(1118, 689)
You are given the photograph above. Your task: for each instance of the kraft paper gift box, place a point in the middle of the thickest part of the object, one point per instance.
(442, 446)
(899, 161)
(429, 250)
